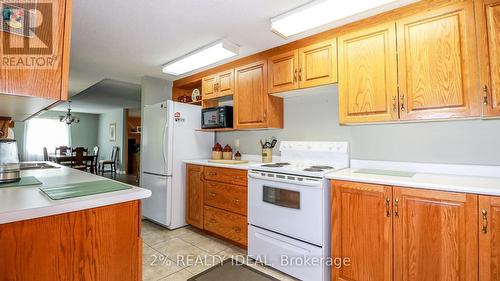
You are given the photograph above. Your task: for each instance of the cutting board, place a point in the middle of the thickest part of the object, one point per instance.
(231, 162)
(83, 189)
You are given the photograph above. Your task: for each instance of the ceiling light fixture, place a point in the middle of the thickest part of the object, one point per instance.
(69, 118)
(204, 56)
(321, 12)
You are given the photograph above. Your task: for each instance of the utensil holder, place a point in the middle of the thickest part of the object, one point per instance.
(267, 155)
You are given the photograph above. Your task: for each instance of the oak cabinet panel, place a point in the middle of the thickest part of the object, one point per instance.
(362, 231)
(489, 238)
(318, 64)
(283, 72)
(50, 47)
(226, 175)
(253, 106)
(194, 195)
(208, 87)
(435, 235)
(95, 244)
(226, 196)
(226, 224)
(488, 33)
(368, 75)
(225, 83)
(437, 64)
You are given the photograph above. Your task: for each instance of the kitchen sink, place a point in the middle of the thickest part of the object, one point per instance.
(36, 166)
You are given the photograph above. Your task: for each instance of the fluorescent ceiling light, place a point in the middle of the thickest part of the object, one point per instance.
(321, 12)
(207, 55)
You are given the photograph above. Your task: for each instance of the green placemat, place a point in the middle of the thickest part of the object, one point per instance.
(83, 189)
(25, 181)
(386, 173)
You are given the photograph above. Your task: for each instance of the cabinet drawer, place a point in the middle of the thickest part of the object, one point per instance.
(226, 196)
(232, 176)
(226, 224)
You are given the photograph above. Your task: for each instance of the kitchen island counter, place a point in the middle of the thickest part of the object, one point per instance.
(28, 202)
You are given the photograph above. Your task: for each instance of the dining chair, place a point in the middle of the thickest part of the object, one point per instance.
(63, 149)
(111, 162)
(93, 164)
(78, 162)
(45, 154)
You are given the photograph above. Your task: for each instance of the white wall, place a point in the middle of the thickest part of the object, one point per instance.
(105, 145)
(314, 116)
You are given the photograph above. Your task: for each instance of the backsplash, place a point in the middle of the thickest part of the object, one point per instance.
(314, 117)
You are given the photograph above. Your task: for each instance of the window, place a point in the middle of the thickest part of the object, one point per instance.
(40, 133)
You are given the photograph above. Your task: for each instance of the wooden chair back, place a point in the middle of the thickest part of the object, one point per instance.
(84, 149)
(79, 151)
(62, 149)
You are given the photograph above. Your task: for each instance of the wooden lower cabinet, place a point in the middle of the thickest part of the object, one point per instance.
(435, 235)
(405, 234)
(489, 238)
(194, 195)
(96, 244)
(226, 224)
(362, 231)
(216, 201)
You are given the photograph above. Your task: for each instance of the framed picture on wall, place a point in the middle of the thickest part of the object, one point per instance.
(112, 132)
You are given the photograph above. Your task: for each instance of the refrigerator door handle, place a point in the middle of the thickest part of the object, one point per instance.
(163, 143)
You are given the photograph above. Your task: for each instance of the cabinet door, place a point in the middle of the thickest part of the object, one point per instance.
(250, 98)
(208, 87)
(435, 235)
(488, 33)
(362, 231)
(368, 75)
(283, 72)
(438, 64)
(318, 64)
(489, 238)
(194, 195)
(38, 65)
(225, 83)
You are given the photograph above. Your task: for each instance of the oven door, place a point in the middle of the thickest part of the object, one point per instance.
(287, 206)
(210, 118)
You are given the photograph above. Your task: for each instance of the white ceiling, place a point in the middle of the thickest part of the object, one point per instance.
(104, 96)
(127, 39)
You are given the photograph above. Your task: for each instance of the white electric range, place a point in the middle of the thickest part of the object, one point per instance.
(289, 210)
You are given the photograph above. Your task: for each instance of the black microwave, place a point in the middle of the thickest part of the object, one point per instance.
(217, 117)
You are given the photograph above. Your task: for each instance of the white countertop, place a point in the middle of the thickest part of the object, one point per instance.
(204, 162)
(444, 182)
(22, 203)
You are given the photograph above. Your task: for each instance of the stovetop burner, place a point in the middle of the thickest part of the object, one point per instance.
(322, 167)
(275, 165)
(311, 169)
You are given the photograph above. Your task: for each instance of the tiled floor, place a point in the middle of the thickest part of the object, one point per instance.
(182, 253)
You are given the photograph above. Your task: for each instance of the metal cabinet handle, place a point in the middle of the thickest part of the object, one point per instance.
(396, 207)
(236, 201)
(394, 104)
(212, 173)
(211, 194)
(295, 75)
(485, 95)
(236, 229)
(387, 206)
(484, 229)
(403, 108)
(300, 74)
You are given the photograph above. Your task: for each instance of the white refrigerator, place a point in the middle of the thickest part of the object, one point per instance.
(169, 136)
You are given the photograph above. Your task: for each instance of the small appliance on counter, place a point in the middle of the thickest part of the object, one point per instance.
(267, 149)
(217, 117)
(9, 161)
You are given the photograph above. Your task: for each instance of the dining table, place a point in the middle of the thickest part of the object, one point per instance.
(71, 158)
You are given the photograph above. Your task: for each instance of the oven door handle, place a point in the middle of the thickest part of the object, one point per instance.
(310, 182)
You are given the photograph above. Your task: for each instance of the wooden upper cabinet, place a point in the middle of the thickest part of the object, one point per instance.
(488, 35)
(435, 235)
(283, 72)
(438, 64)
(489, 238)
(225, 84)
(362, 230)
(368, 75)
(208, 87)
(318, 64)
(253, 107)
(48, 49)
(194, 195)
